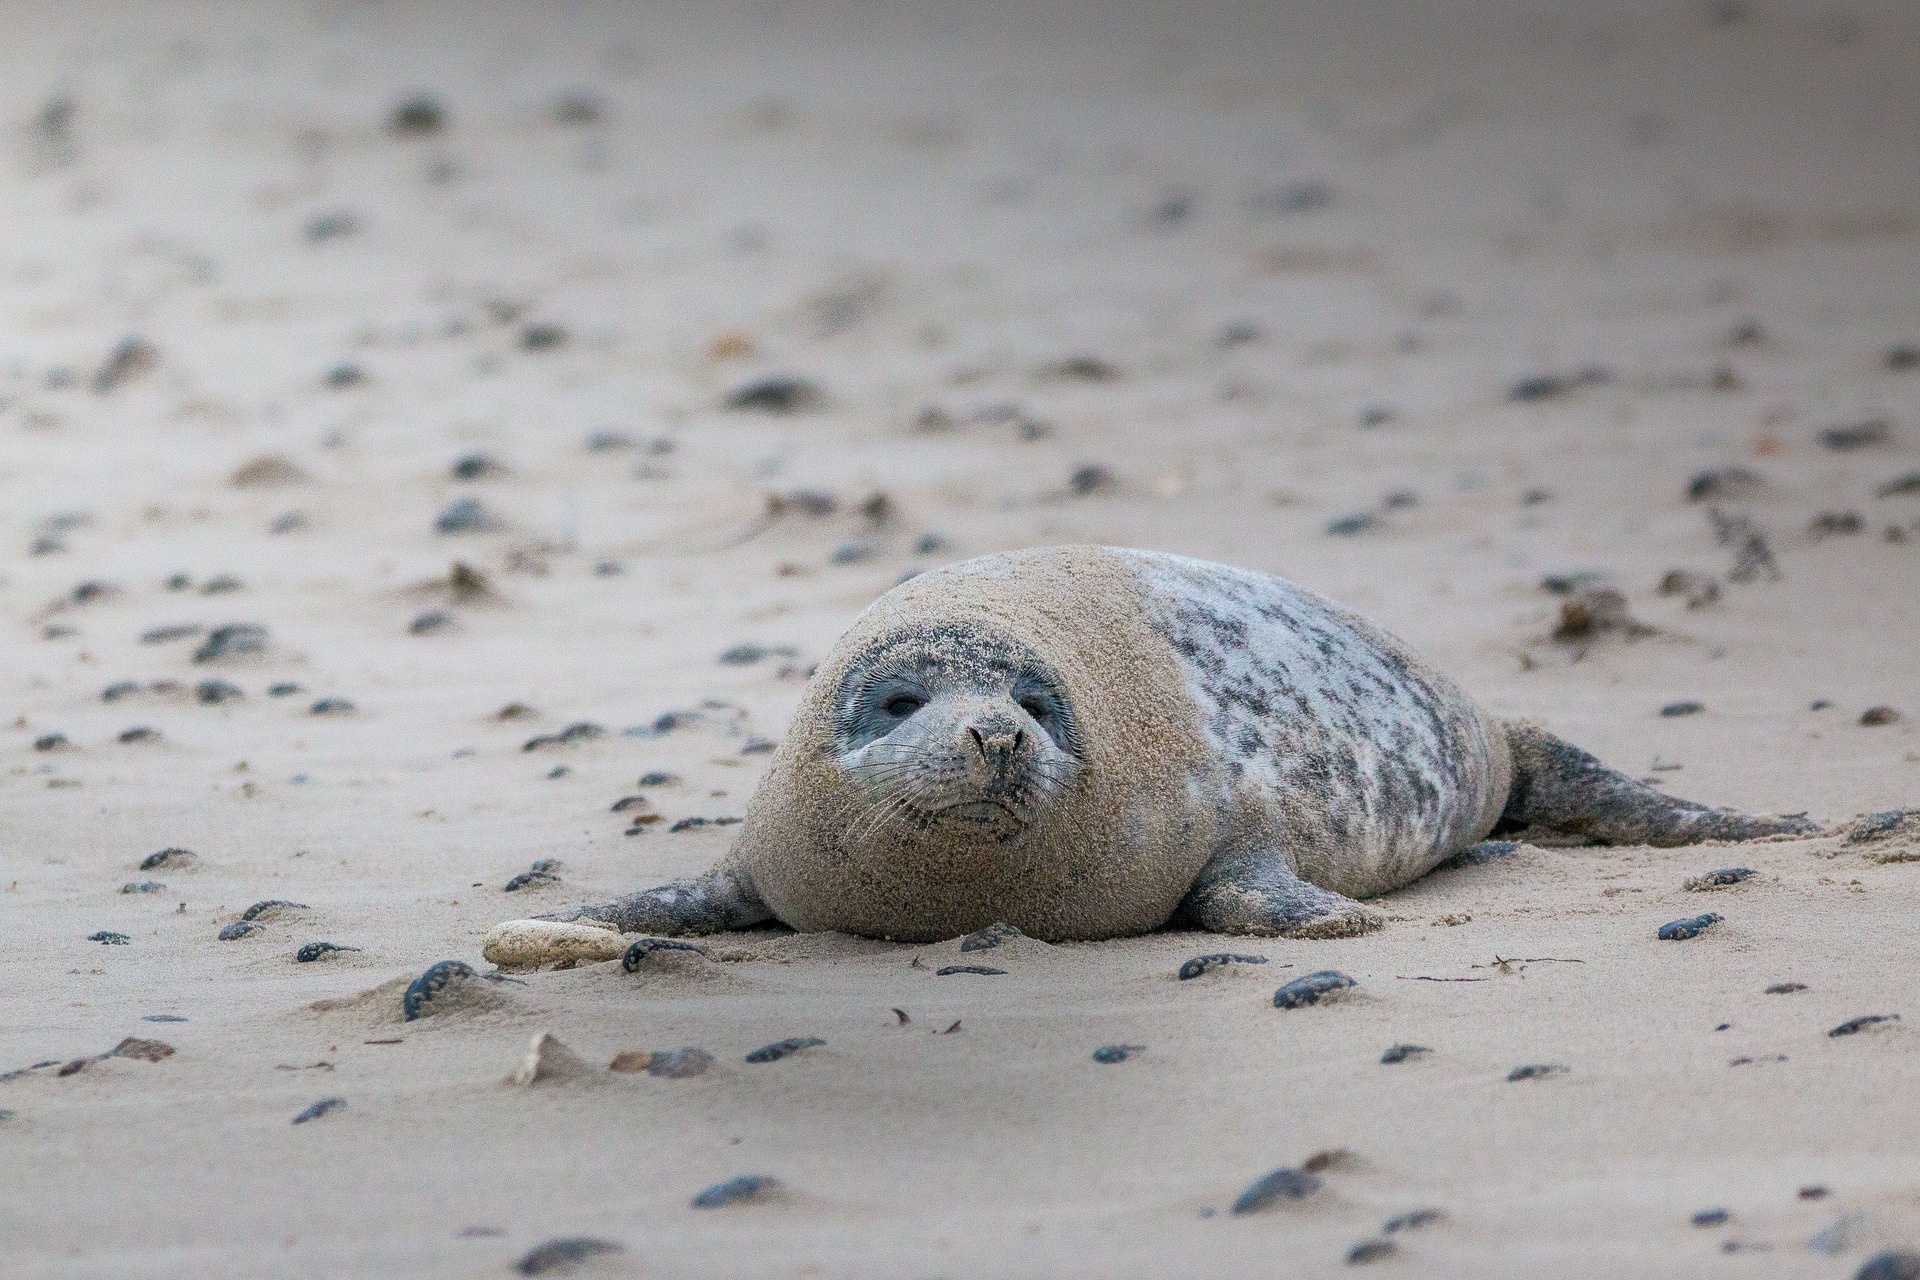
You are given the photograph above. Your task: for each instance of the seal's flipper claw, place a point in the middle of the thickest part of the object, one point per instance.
(1258, 893)
(1559, 787)
(716, 902)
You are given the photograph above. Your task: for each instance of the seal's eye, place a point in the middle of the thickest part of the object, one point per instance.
(902, 705)
(1037, 705)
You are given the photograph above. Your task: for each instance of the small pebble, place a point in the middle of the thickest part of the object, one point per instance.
(319, 950)
(110, 938)
(658, 778)
(467, 515)
(432, 622)
(51, 742)
(162, 1017)
(416, 117)
(1785, 988)
(1281, 1184)
(1549, 386)
(578, 732)
(1894, 1264)
(1710, 1218)
(1853, 1026)
(1875, 716)
(746, 1187)
(1720, 879)
(1214, 960)
(1400, 1053)
(1312, 989)
(1347, 526)
(143, 886)
(1900, 486)
(1692, 927)
(144, 1050)
(175, 858)
(1410, 1221)
(331, 707)
(980, 969)
(1371, 1251)
(1675, 709)
(543, 337)
(284, 689)
(239, 929)
(1089, 479)
(272, 909)
(1720, 483)
(530, 880)
(679, 1064)
(214, 692)
(138, 734)
(1535, 1071)
(1859, 435)
(1876, 826)
(783, 1048)
(563, 1254)
(477, 466)
(990, 937)
(343, 375)
(1109, 1053)
(319, 1109)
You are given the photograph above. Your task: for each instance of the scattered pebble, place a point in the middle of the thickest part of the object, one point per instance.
(1551, 386)
(1858, 435)
(477, 466)
(1900, 487)
(779, 394)
(343, 375)
(1281, 1184)
(1080, 368)
(142, 1050)
(319, 1109)
(1371, 1251)
(421, 991)
(1312, 989)
(1710, 1218)
(783, 1048)
(990, 937)
(1090, 478)
(432, 622)
(1785, 988)
(1878, 826)
(1109, 1053)
(52, 742)
(1348, 526)
(1596, 613)
(214, 692)
(658, 778)
(138, 734)
(267, 471)
(1698, 589)
(1213, 960)
(1535, 1071)
(331, 707)
(1410, 1221)
(238, 930)
(579, 107)
(1853, 1026)
(318, 951)
(162, 1017)
(1719, 879)
(284, 689)
(1721, 483)
(419, 116)
(532, 879)
(1873, 717)
(235, 640)
(563, 1254)
(1894, 1264)
(1400, 1053)
(572, 735)
(1676, 709)
(543, 337)
(143, 886)
(272, 909)
(740, 1190)
(131, 359)
(1692, 927)
(110, 938)
(1835, 524)
(468, 515)
(982, 970)
(177, 859)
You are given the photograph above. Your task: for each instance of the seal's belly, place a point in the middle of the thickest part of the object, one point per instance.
(1359, 762)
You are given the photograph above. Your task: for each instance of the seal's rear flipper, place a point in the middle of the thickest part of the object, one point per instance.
(716, 902)
(1559, 787)
(1257, 892)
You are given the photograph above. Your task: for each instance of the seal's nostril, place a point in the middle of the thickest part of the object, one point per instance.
(1019, 738)
(979, 743)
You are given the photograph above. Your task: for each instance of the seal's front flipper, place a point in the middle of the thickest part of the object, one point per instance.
(1258, 893)
(716, 902)
(1559, 787)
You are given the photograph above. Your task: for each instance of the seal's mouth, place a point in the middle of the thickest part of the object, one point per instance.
(980, 811)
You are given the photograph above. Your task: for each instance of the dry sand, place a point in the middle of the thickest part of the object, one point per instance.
(1409, 210)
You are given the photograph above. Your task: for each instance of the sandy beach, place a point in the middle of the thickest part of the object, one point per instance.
(424, 427)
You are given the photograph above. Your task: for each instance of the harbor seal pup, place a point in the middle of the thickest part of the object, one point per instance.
(1090, 742)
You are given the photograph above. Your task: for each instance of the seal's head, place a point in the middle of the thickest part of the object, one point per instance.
(953, 731)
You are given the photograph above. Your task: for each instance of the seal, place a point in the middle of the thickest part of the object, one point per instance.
(1091, 742)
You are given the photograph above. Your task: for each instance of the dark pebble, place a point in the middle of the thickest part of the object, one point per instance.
(477, 466)
(239, 929)
(1214, 960)
(138, 734)
(543, 337)
(1375, 415)
(1900, 486)
(778, 394)
(1725, 876)
(318, 950)
(980, 969)
(1853, 1026)
(467, 515)
(110, 938)
(1716, 483)
(680, 1064)
(89, 592)
(1281, 1184)
(758, 746)
(51, 742)
(319, 1109)
(1710, 1218)
(421, 991)
(1411, 1221)
(658, 778)
(175, 858)
(1400, 1053)
(1673, 709)
(990, 937)
(119, 689)
(1312, 989)
(143, 886)
(1090, 479)
(417, 117)
(1081, 369)
(1857, 435)
(215, 692)
(1348, 526)
(579, 107)
(573, 734)
(1400, 500)
(530, 880)
(1785, 988)
(782, 1048)
(743, 655)
(1108, 1053)
(1535, 1071)
(1836, 524)
(1903, 357)
(1371, 1251)
(162, 1017)
(636, 955)
(331, 707)
(432, 622)
(235, 640)
(1873, 717)
(1894, 1264)
(748, 1186)
(272, 906)
(284, 689)
(1549, 386)
(343, 375)
(564, 1254)
(1692, 927)
(1885, 823)
(222, 584)
(131, 358)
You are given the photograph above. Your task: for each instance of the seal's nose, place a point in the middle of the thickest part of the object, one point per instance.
(998, 743)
